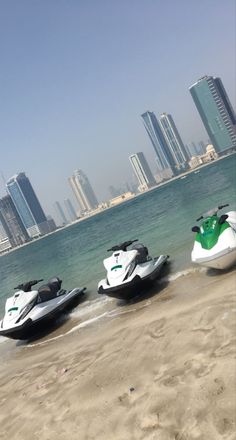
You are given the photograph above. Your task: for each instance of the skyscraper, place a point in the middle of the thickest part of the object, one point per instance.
(70, 210)
(165, 160)
(62, 218)
(174, 141)
(142, 171)
(83, 191)
(216, 112)
(27, 205)
(12, 222)
(5, 244)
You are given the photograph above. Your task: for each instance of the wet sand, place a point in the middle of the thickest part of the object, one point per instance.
(161, 368)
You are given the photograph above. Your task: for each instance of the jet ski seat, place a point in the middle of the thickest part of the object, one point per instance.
(54, 284)
(50, 290)
(142, 256)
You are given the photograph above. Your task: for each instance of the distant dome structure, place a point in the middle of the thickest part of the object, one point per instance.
(210, 148)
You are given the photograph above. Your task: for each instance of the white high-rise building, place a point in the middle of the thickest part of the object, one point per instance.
(83, 191)
(142, 171)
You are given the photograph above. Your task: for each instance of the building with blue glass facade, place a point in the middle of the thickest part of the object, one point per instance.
(164, 158)
(70, 209)
(174, 141)
(216, 112)
(12, 222)
(27, 205)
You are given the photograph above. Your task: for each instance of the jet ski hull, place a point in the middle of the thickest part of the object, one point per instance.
(220, 261)
(30, 327)
(130, 289)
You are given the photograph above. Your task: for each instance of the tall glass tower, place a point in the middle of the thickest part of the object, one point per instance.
(142, 171)
(164, 158)
(83, 191)
(216, 112)
(27, 205)
(174, 141)
(70, 210)
(12, 222)
(62, 218)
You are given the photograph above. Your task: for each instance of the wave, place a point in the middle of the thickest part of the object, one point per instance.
(182, 273)
(72, 330)
(90, 306)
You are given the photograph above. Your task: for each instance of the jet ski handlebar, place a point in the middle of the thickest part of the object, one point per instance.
(26, 287)
(122, 246)
(212, 212)
(223, 206)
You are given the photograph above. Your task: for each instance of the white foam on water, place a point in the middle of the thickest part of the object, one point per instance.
(182, 273)
(89, 306)
(2, 339)
(72, 330)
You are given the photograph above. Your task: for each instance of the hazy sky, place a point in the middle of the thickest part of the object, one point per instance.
(76, 75)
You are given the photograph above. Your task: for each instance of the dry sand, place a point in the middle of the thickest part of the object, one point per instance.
(163, 369)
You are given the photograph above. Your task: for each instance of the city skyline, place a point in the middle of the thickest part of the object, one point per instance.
(46, 107)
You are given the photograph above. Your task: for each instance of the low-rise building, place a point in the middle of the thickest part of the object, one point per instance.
(122, 198)
(210, 155)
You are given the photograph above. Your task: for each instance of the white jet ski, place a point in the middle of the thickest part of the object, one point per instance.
(129, 270)
(215, 241)
(29, 311)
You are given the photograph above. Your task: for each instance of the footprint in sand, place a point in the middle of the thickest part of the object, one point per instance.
(170, 381)
(149, 422)
(225, 349)
(225, 426)
(180, 436)
(124, 400)
(203, 329)
(155, 330)
(220, 387)
(198, 368)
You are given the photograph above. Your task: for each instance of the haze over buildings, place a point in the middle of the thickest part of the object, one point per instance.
(60, 213)
(81, 84)
(70, 210)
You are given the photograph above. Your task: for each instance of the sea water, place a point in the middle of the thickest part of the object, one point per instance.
(161, 219)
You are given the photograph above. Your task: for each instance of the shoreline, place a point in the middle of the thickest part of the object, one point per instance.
(2, 254)
(160, 368)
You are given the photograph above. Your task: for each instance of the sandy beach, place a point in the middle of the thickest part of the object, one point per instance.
(162, 368)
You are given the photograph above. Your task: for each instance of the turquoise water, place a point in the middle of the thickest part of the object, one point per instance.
(161, 219)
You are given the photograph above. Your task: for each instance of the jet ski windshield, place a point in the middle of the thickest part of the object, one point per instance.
(210, 213)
